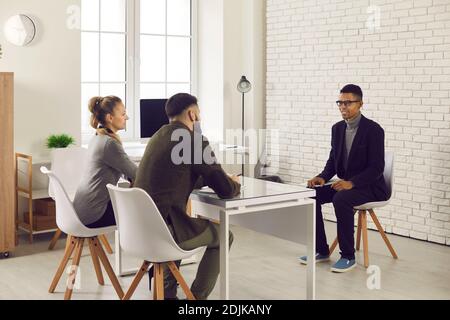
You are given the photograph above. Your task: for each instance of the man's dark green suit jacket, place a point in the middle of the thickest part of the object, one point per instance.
(170, 183)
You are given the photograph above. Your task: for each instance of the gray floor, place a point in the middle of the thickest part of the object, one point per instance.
(261, 267)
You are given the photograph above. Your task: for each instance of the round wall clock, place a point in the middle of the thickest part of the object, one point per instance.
(19, 30)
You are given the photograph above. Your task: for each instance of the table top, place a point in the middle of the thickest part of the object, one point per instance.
(254, 191)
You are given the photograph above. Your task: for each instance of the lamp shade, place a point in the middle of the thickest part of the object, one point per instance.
(244, 85)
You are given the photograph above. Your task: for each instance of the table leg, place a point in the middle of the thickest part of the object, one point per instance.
(224, 247)
(311, 243)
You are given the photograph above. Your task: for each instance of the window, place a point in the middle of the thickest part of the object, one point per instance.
(103, 51)
(134, 49)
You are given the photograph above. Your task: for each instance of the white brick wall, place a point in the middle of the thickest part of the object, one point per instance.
(314, 47)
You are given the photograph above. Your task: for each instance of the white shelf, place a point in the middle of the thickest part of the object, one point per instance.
(37, 194)
(27, 230)
(38, 161)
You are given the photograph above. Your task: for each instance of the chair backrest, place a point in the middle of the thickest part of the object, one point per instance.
(66, 216)
(389, 171)
(140, 225)
(68, 164)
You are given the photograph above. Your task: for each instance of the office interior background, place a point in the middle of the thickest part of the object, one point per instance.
(297, 55)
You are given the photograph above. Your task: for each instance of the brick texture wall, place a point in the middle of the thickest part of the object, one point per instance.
(398, 51)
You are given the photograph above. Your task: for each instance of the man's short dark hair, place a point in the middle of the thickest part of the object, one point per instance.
(353, 88)
(178, 103)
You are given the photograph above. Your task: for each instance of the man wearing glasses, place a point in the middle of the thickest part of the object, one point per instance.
(357, 158)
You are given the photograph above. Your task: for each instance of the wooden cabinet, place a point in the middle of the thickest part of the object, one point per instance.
(7, 170)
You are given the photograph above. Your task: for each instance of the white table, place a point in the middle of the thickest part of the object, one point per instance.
(281, 210)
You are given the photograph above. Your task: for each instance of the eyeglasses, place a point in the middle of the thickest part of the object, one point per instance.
(346, 103)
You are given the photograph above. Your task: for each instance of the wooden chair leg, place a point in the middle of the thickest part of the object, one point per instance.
(105, 242)
(68, 240)
(67, 254)
(154, 283)
(176, 273)
(158, 281)
(109, 270)
(383, 234)
(136, 280)
(96, 262)
(334, 245)
(54, 239)
(358, 233)
(75, 265)
(365, 239)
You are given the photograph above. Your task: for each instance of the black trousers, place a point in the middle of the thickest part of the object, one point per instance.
(343, 202)
(106, 220)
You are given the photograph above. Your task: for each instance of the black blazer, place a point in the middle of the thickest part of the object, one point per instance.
(366, 159)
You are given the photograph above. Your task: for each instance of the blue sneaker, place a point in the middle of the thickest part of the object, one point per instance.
(343, 265)
(319, 258)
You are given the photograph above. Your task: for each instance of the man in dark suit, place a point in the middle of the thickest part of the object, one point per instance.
(357, 158)
(177, 160)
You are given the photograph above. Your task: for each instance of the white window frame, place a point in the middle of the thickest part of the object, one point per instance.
(86, 136)
(132, 67)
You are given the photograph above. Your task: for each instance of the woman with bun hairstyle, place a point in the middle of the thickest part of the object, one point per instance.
(107, 162)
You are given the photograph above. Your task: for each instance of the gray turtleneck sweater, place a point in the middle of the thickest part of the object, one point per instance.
(350, 133)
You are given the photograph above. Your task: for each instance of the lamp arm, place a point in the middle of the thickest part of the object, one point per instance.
(243, 132)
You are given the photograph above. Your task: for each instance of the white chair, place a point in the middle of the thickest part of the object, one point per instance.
(69, 164)
(362, 215)
(143, 233)
(68, 222)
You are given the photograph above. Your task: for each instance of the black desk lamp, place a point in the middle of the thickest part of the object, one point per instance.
(244, 86)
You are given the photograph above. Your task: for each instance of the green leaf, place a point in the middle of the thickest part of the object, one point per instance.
(59, 141)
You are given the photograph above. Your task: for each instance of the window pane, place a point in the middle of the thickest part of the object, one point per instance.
(113, 15)
(87, 92)
(153, 59)
(153, 16)
(89, 57)
(178, 59)
(173, 89)
(179, 17)
(112, 57)
(153, 91)
(113, 89)
(90, 15)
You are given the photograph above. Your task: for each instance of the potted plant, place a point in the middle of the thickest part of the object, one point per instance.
(59, 141)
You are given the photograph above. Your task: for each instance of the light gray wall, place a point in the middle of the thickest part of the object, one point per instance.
(231, 43)
(47, 75)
